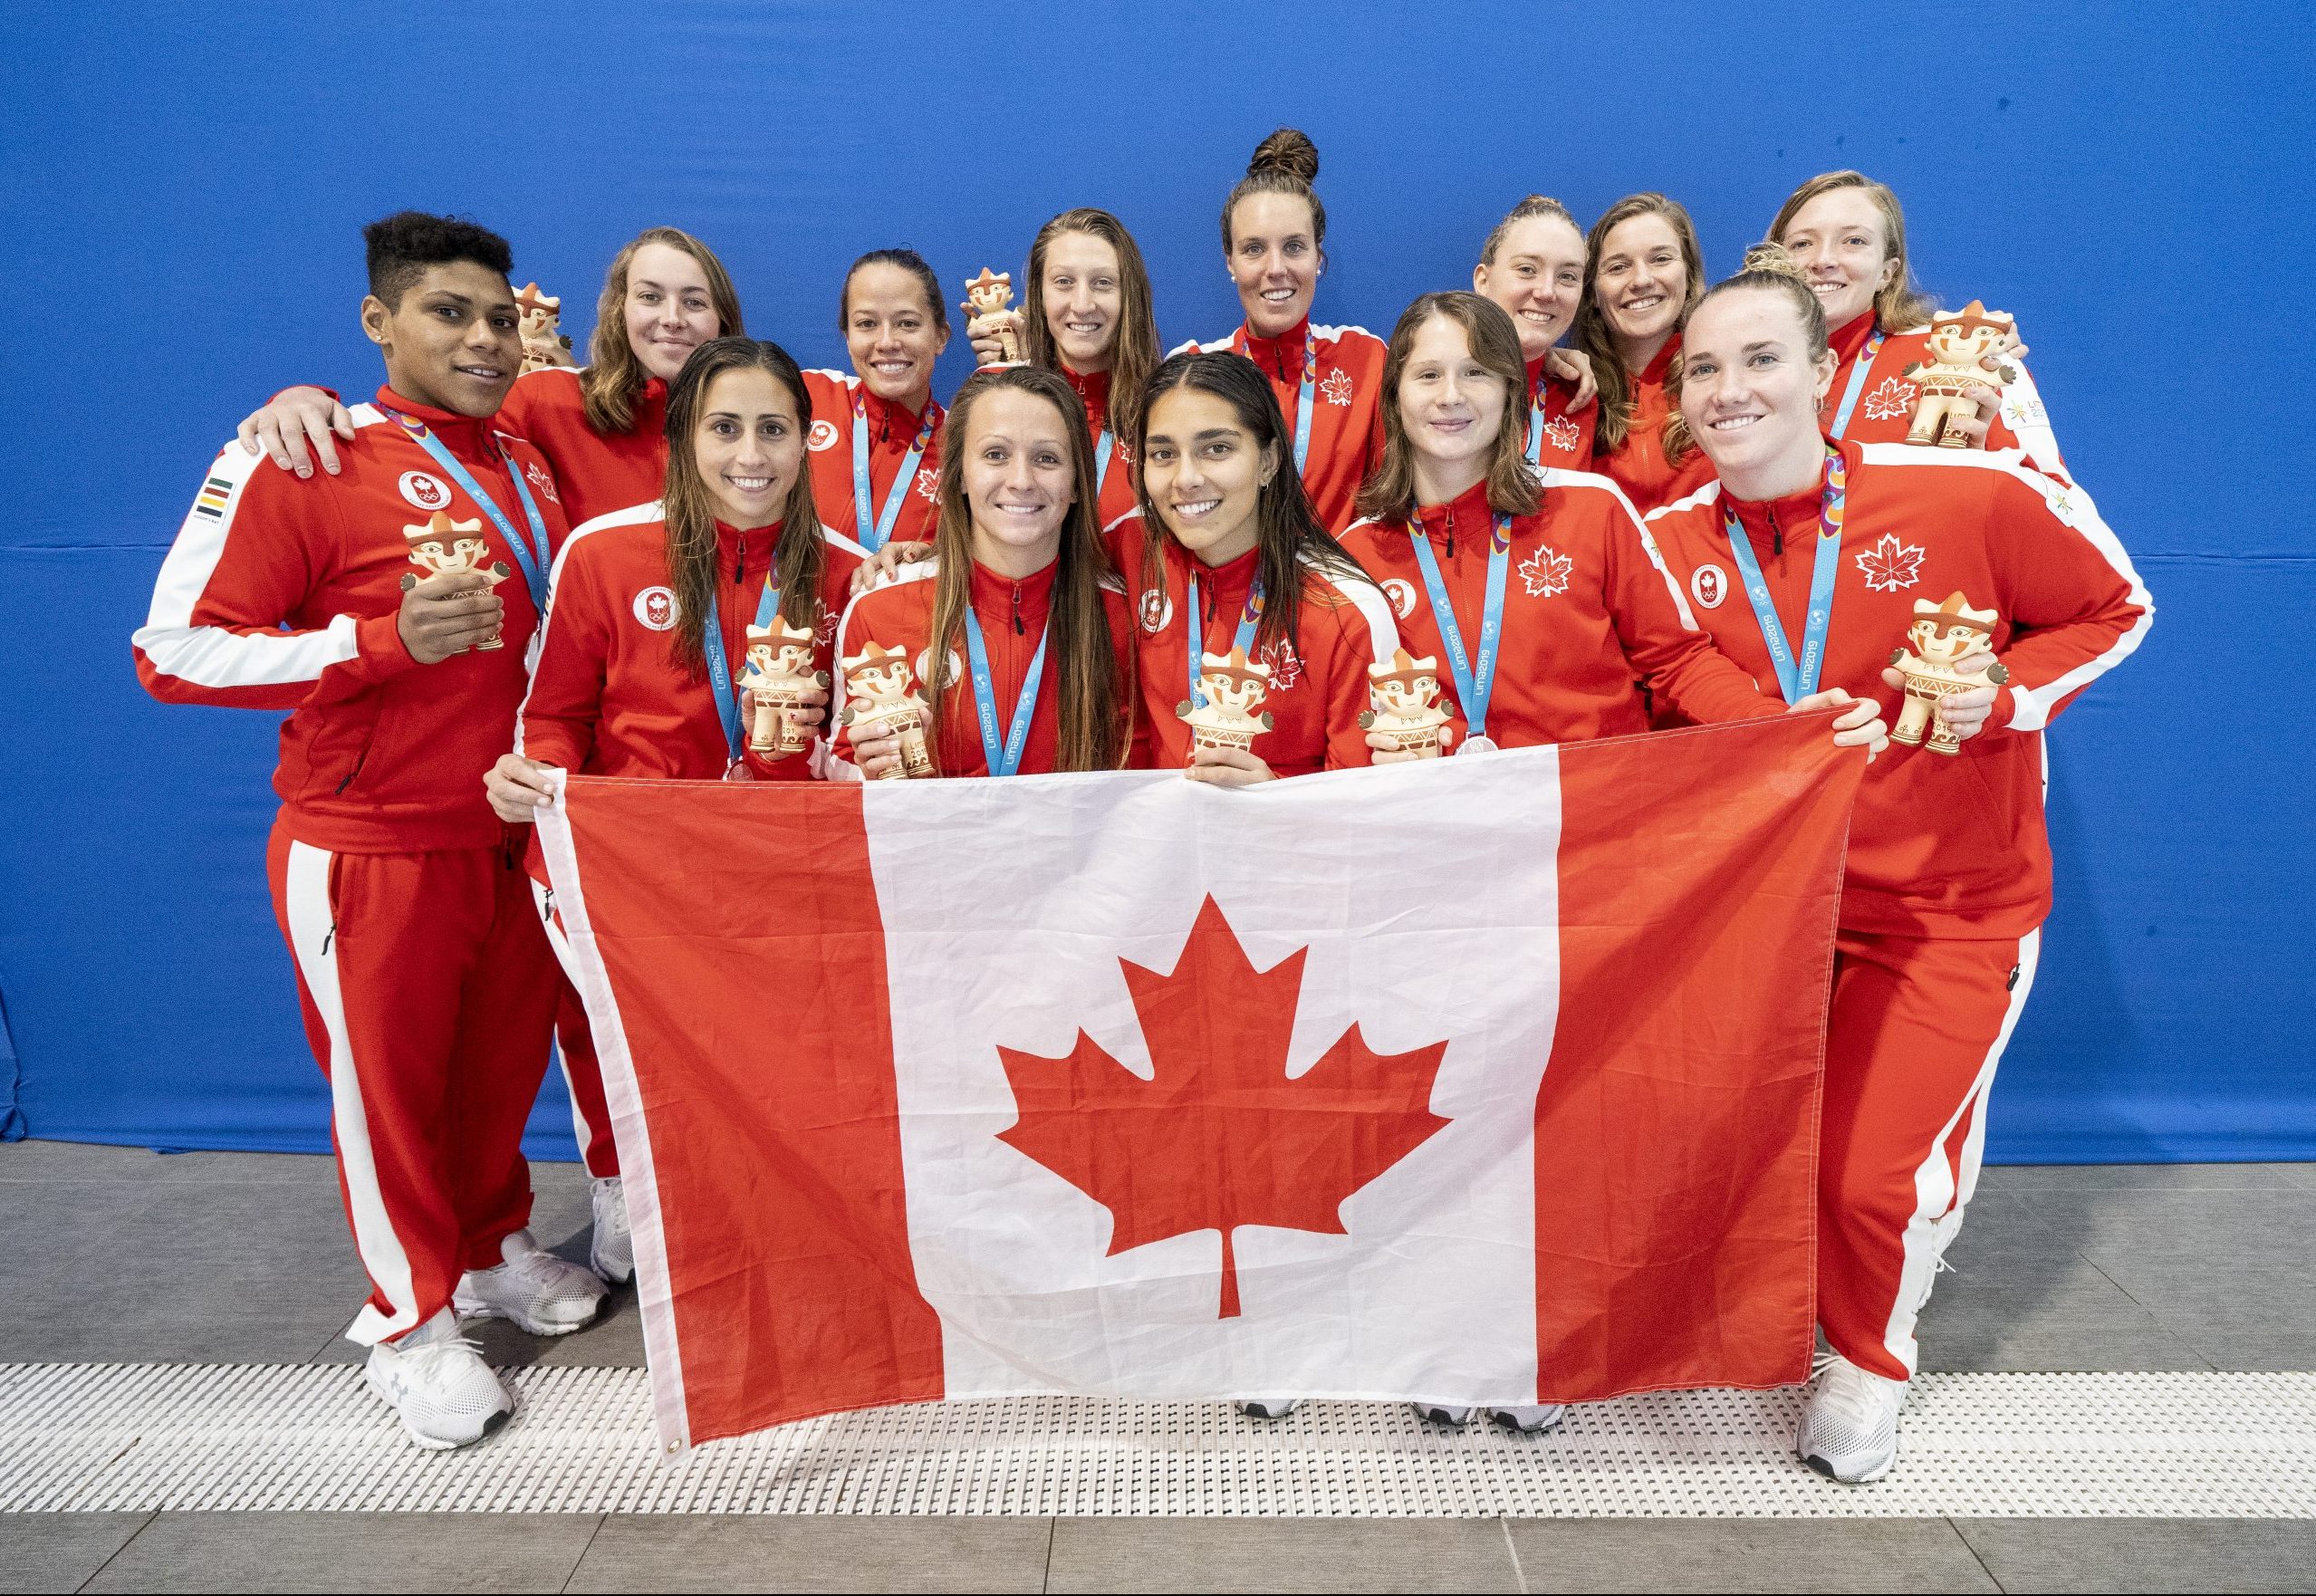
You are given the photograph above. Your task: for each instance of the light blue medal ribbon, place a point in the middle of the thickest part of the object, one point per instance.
(1797, 679)
(533, 558)
(1004, 754)
(1102, 446)
(1474, 678)
(1243, 641)
(875, 533)
(719, 669)
(1536, 427)
(1858, 374)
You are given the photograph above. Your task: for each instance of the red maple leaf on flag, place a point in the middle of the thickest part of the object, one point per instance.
(1219, 1137)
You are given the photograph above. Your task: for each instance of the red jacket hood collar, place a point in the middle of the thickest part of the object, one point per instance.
(464, 434)
(995, 594)
(760, 543)
(1793, 514)
(889, 420)
(1219, 584)
(1281, 357)
(1850, 337)
(1658, 369)
(1468, 514)
(1093, 390)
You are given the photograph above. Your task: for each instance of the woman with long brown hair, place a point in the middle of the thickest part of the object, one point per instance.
(876, 443)
(654, 611)
(1086, 313)
(1645, 271)
(1009, 652)
(1846, 234)
(601, 426)
(1241, 597)
(1275, 246)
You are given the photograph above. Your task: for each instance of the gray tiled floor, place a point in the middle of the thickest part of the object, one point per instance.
(119, 1253)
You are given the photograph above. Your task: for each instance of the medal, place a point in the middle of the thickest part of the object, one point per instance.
(1477, 745)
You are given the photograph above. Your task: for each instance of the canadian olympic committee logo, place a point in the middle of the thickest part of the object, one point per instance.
(656, 608)
(427, 493)
(1709, 586)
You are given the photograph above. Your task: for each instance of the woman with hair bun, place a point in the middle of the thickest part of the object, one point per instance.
(876, 440)
(1846, 234)
(1810, 560)
(1533, 266)
(1087, 314)
(601, 426)
(1645, 271)
(1275, 237)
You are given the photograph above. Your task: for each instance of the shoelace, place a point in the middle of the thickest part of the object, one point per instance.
(433, 1351)
(1849, 1389)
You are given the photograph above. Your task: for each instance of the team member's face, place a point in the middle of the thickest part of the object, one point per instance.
(454, 342)
(1837, 240)
(1084, 297)
(669, 312)
(1019, 474)
(1450, 405)
(749, 444)
(892, 334)
(1273, 260)
(1538, 278)
(1643, 281)
(1205, 473)
(1749, 390)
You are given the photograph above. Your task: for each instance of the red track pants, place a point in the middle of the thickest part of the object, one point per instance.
(582, 1071)
(1917, 1028)
(429, 992)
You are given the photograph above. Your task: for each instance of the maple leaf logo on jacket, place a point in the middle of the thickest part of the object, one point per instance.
(1337, 389)
(1891, 566)
(1545, 573)
(1894, 397)
(1219, 1136)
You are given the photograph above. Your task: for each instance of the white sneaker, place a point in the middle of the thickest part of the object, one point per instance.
(1529, 1421)
(537, 1290)
(612, 1252)
(1441, 1413)
(1270, 1406)
(437, 1384)
(1849, 1430)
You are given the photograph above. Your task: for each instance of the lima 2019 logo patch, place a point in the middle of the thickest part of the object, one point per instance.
(822, 436)
(1708, 585)
(427, 493)
(656, 608)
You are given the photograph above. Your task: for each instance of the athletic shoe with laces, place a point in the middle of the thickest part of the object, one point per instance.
(1849, 1430)
(1441, 1413)
(536, 1288)
(1270, 1406)
(612, 1252)
(437, 1384)
(1529, 1421)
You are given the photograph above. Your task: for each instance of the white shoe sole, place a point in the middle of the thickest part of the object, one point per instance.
(476, 1308)
(419, 1437)
(608, 1274)
(1821, 1466)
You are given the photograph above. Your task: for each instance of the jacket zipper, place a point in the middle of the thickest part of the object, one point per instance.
(1019, 630)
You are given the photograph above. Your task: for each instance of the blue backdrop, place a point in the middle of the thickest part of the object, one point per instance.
(186, 184)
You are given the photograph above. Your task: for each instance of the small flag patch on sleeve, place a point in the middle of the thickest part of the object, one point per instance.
(212, 498)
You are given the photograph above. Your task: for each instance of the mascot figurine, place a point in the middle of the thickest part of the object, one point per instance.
(988, 301)
(1960, 342)
(1231, 689)
(881, 700)
(1943, 635)
(444, 547)
(543, 345)
(778, 675)
(1403, 699)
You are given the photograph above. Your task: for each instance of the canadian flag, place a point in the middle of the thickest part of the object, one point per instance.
(1484, 1079)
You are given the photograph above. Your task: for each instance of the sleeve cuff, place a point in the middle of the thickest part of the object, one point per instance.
(380, 654)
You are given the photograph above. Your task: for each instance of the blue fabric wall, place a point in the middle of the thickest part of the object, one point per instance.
(185, 183)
